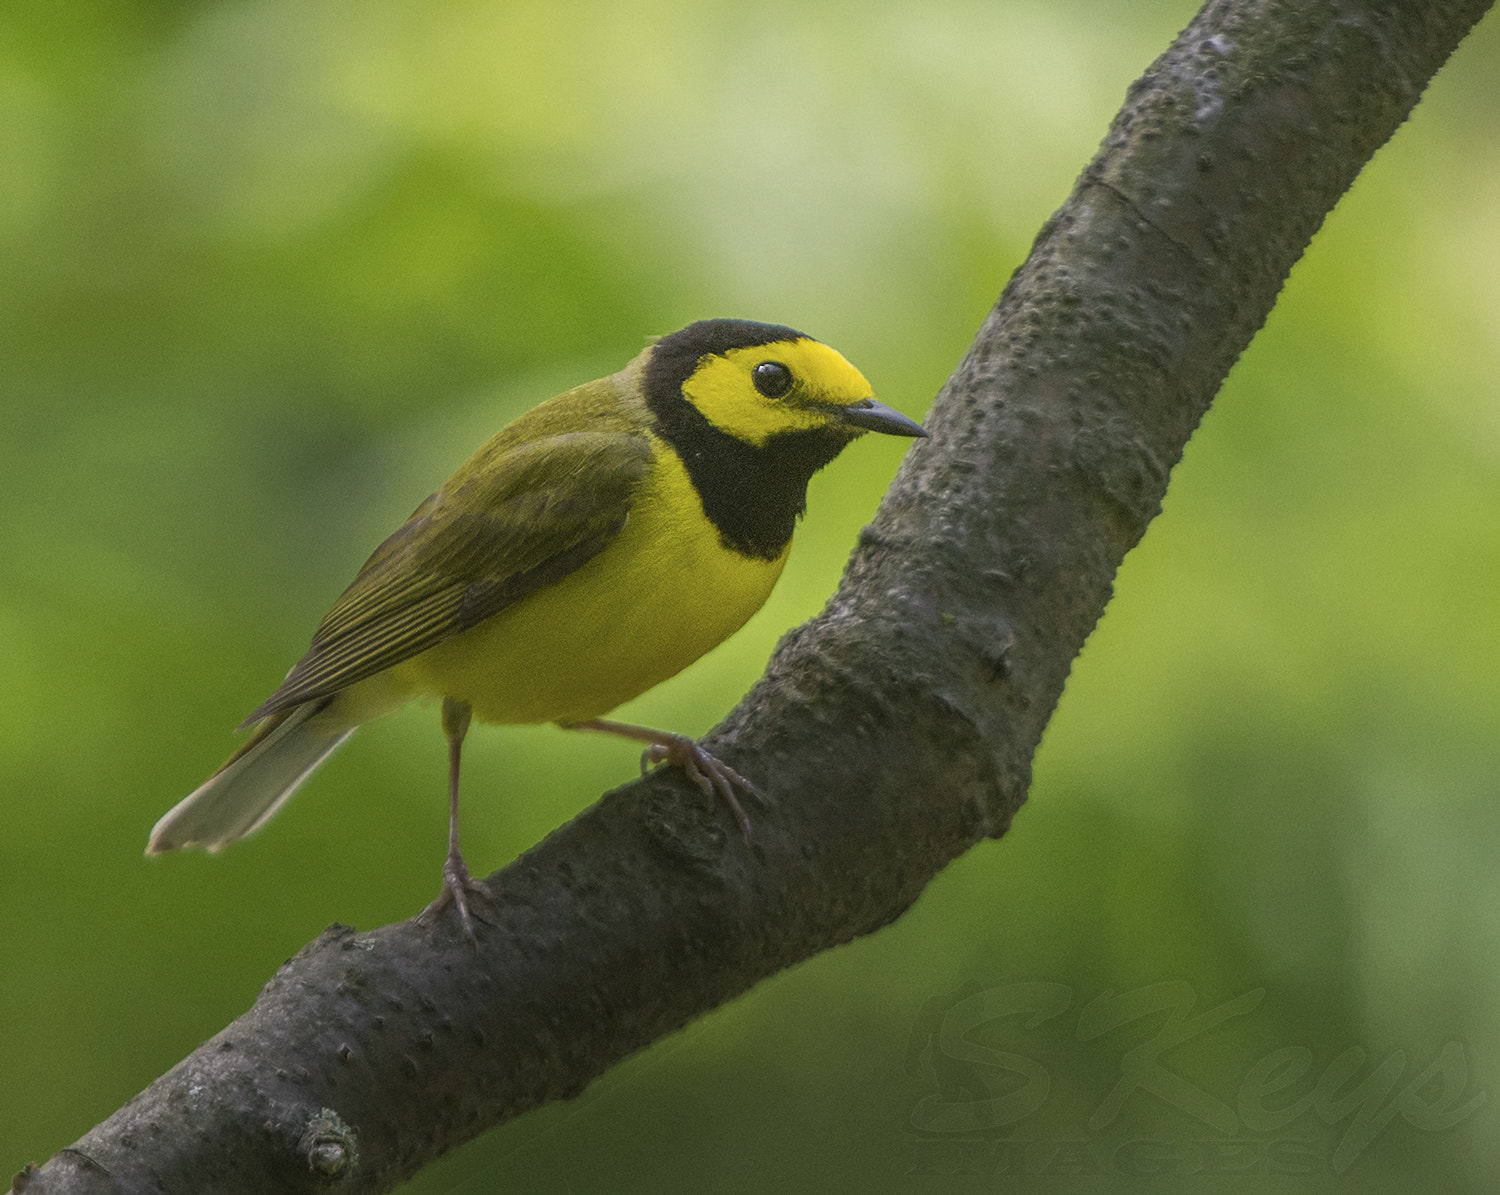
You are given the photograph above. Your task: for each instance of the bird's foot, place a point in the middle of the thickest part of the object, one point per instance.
(712, 775)
(704, 769)
(458, 886)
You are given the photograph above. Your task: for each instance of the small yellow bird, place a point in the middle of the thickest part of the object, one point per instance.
(596, 546)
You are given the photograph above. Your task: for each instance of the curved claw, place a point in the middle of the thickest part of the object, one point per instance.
(707, 771)
(713, 776)
(458, 886)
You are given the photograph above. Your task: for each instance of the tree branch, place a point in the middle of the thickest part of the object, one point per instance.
(897, 728)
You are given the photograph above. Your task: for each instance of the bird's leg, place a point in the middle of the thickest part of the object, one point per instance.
(712, 775)
(457, 883)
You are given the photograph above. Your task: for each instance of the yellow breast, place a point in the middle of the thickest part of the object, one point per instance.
(660, 595)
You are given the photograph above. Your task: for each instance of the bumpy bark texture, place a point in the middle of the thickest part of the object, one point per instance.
(896, 729)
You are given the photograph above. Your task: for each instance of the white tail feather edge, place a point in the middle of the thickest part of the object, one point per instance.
(241, 796)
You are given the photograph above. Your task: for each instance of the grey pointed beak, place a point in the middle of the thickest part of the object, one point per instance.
(872, 416)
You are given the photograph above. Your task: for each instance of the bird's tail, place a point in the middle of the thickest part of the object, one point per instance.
(253, 783)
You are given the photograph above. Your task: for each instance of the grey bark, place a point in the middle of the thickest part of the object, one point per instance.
(897, 728)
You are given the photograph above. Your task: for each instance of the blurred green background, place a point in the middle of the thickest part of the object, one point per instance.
(271, 268)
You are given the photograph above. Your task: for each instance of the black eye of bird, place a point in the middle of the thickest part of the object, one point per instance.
(772, 378)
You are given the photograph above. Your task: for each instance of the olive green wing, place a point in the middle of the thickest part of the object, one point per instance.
(514, 519)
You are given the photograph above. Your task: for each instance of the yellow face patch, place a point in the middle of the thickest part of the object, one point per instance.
(723, 389)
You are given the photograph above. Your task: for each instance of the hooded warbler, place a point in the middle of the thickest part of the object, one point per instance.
(594, 547)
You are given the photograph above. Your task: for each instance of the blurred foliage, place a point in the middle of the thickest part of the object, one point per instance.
(273, 267)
